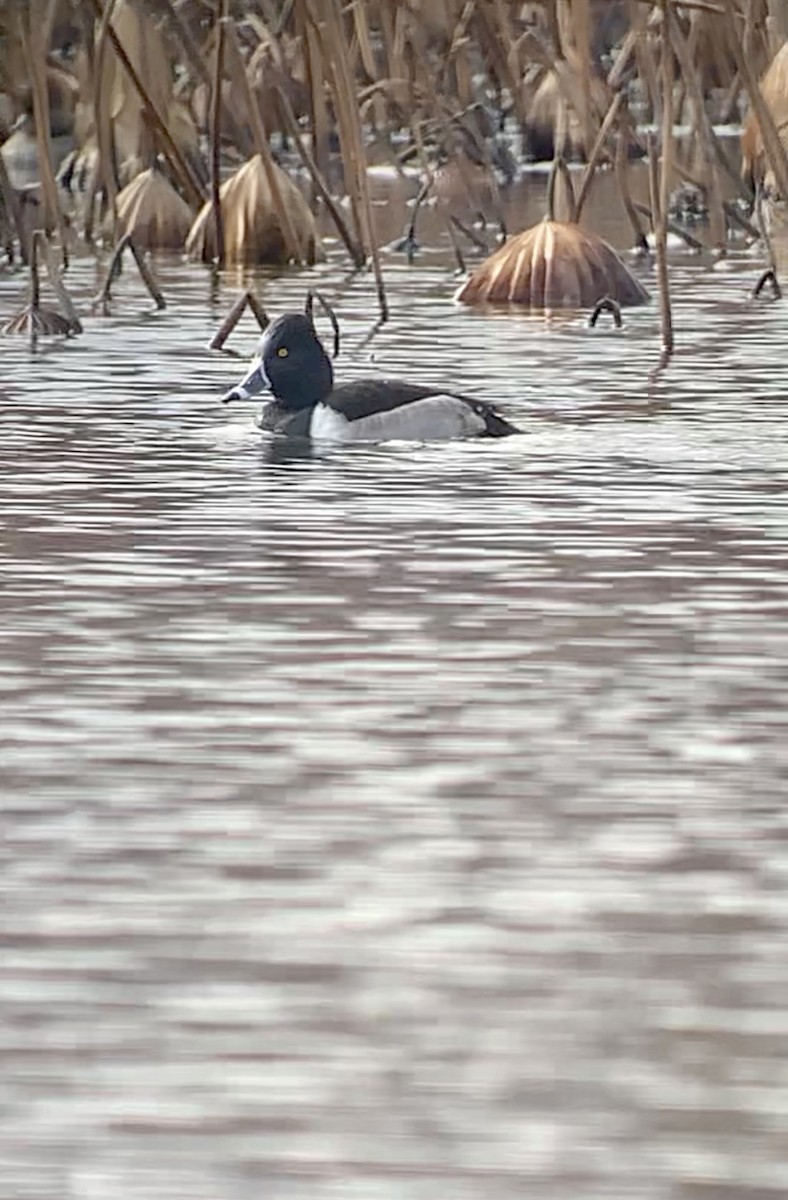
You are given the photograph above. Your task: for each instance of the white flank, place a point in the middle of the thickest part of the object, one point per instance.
(327, 425)
(436, 418)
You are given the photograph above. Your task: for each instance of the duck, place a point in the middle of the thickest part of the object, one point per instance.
(292, 365)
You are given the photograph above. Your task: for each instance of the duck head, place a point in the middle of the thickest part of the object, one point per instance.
(290, 363)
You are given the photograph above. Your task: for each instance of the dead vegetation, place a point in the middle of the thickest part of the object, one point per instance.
(238, 131)
(555, 264)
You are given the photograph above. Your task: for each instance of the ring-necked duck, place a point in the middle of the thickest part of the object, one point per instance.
(292, 364)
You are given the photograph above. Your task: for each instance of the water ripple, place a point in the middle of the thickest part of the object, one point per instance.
(396, 821)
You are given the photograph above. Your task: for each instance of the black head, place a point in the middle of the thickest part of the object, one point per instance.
(290, 362)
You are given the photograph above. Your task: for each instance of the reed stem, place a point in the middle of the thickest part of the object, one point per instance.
(772, 143)
(293, 247)
(216, 121)
(104, 296)
(181, 169)
(593, 158)
(660, 245)
(32, 27)
(244, 301)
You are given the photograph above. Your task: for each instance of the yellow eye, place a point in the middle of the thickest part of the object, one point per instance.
(283, 352)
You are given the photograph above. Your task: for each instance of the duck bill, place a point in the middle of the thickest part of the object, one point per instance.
(253, 383)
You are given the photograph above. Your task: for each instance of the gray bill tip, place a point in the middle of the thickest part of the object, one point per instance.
(253, 382)
(235, 393)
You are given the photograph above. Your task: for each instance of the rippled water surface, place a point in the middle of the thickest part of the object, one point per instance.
(397, 822)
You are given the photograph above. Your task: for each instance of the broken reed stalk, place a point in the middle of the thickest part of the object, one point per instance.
(260, 315)
(622, 179)
(313, 67)
(13, 213)
(445, 125)
(735, 218)
(616, 77)
(692, 243)
(198, 67)
(593, 158)
(58, 287)
(559, 170)
(345, 129)
(355, 251)
(660, 244)
(505, 52)
(772, 143)
(666, 71)
(105, 172)
(760, 220)
(581, 29)
(147, 275)
(606, 305)
(104, 296)
(659, 186)
(35, 54)
(473, 237)
(646, 69)
(309, 308)
(455, 245)
(293, 247)
(350, 136)
(244, 301)
(181, 169)
(769, 276)
(703, 128)
(35, 283)
(216, 122)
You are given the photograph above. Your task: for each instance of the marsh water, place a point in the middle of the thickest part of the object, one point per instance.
(398, 822)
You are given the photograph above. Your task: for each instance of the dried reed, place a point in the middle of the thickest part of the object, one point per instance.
(127, 243)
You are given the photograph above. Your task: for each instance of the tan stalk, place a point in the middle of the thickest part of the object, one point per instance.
(216, 132)
(777, 24)
(660, 244)
(443, 123)
(199, 68)
(113, 270)
(106, 169)
(35, 55)
(643, 57)
(39, 236)
(622, 179)
(498, 41)
(386, 30)
(293, 247)
(12, 210)
(666, 65)
(596, 150)
(180, 167)
(317, 89)
(581, 17)
(244, 301)
(706, 6)
(561, 206)
(355, 251)
(704, 134)
(772, 144)
(621, 65)
(347, 106)
(58, 287)
(458, 54)
(361, 22)
(565, 74)
(345, 127)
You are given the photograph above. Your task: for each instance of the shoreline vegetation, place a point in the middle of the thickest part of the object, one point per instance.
(234, 131)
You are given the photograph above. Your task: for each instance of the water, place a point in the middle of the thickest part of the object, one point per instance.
(396, 822)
